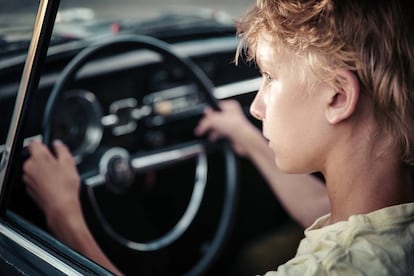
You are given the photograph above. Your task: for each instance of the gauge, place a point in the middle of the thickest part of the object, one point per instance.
(77, 122)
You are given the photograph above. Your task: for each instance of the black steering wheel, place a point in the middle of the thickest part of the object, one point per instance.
(118, 165)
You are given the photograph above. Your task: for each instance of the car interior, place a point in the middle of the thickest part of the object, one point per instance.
(126, 98)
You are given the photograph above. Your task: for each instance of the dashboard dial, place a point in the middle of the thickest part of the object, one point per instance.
(77, 122)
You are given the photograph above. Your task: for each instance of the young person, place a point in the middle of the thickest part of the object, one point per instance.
(337, 98)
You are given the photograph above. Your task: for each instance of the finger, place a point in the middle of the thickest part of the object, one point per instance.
(62, 151)
(34, 168)
(38, 149)
(202, 127)
(27, 165)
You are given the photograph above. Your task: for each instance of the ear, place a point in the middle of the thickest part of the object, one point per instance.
(343, 100)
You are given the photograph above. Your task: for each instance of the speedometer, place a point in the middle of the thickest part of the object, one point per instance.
(77, 122)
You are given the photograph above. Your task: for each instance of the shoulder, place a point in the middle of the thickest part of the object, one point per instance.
(381, 243)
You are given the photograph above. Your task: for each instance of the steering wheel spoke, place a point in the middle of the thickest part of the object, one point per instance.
(140, 162)
(166, 156)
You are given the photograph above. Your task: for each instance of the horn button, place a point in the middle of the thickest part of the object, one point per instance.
(115, 164)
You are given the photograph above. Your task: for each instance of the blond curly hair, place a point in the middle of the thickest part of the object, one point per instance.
(373, 39)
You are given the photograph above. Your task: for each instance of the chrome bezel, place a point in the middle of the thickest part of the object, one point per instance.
(94, 130)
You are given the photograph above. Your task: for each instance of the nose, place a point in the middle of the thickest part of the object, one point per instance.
(257, 108)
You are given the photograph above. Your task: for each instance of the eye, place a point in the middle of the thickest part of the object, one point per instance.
(267, 78)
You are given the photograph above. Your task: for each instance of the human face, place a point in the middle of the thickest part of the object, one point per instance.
(292, 114)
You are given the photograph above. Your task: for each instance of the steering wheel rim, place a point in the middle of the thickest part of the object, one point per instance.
(197, 75)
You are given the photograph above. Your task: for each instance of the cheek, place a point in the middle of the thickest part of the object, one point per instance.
(288, 126)
(282, 113)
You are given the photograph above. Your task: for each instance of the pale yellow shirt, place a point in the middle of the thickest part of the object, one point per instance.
(378, 243)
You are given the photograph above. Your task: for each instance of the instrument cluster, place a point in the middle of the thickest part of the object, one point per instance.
(80, 121)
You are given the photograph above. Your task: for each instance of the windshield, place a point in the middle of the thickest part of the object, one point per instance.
(16, 23)
(85, 19)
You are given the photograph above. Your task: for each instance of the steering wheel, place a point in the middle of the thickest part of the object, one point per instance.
(118, 165)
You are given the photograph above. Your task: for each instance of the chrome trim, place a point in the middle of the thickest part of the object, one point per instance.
(157, 160)
(140, 112)
(237, 88)
(100, 178)
(109, 120)
(27, 140)
(94, 130)
(124, 104)
(183, 223)
(21, 94)
(170, 93)
(143, 163)
(37, 251)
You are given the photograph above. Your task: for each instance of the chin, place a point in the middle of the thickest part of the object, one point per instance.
(289, 168)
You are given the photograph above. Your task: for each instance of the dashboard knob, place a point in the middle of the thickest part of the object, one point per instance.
(120, 174)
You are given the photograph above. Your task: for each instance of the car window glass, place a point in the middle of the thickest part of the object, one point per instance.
(16, 26)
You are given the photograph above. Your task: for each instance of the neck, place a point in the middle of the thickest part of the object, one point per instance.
(376, 185)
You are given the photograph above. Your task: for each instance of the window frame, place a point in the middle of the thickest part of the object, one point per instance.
(25, 248)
